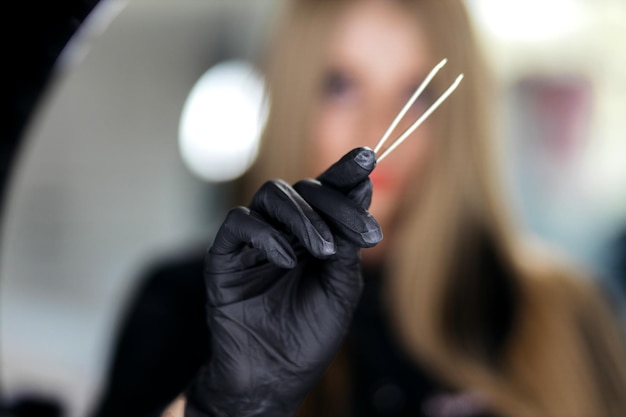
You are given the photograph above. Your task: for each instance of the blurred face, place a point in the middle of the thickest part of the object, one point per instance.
(378, 57)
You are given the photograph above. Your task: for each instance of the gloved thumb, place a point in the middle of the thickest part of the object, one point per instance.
(351, 170)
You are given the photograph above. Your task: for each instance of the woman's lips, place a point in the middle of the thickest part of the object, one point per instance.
(381, 179)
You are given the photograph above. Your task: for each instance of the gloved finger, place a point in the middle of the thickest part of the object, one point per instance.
(362, 193)
(281, 205)
(241, 228)
(353, 168)
(347, 218)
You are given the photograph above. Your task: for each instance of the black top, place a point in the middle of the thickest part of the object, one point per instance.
(164, 339)
(387, 382)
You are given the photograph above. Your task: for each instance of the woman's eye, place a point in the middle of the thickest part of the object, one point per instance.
(338, 85)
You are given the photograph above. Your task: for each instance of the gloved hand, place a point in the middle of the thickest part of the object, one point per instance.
(283, 279)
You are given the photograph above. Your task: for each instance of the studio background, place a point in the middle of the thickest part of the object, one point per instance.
(96, 190)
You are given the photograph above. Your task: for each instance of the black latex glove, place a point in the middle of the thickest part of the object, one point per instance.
(283, 279)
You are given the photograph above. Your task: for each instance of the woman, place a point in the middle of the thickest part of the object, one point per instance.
(474, 309)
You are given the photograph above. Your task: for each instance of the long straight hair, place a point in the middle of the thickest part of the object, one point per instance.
(468, 297)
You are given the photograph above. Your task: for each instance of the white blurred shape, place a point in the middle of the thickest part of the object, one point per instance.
(221, 122)
(529, 21)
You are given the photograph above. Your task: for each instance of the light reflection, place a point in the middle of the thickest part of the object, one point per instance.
(221, 122)
(530, 21)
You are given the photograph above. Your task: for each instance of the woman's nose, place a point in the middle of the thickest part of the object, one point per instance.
(375, 123)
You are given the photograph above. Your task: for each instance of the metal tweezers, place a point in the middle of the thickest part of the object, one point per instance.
(422, 118)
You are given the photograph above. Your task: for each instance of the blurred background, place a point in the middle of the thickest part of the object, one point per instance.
(130, 120)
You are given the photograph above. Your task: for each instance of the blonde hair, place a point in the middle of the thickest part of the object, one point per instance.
(456, 254)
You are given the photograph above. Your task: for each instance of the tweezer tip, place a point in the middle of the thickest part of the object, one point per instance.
(432, 108)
